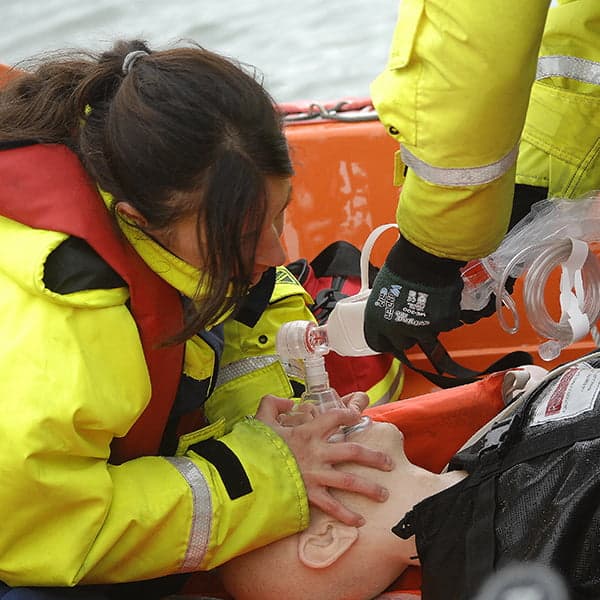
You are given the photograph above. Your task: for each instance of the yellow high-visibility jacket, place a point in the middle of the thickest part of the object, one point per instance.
(455, 94)
(560, 145)
(73, 377)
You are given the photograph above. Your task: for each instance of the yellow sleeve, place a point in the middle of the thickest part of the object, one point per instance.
(454, 94)
(73, 377)
(250, 366)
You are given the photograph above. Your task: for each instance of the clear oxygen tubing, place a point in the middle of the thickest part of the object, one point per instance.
(580, 279)
(579, 293)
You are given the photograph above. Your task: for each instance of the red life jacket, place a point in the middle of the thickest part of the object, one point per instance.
(46, 187)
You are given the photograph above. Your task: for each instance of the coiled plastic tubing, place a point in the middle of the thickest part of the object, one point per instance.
(556, 233)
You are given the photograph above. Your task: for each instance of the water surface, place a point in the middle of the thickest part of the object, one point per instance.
(309, 50)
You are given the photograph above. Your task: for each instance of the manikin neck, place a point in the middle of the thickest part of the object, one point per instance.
(426, 484)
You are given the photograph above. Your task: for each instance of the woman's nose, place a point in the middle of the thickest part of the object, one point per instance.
(270, 251)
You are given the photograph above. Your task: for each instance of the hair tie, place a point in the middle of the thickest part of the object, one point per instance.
(130, 60)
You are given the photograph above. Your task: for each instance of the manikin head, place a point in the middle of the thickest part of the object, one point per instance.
(333, 560)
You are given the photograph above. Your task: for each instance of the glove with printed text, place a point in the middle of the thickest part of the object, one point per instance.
(415, 295)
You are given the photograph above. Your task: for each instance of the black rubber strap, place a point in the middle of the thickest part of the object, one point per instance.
(340, 258)
(449, 373)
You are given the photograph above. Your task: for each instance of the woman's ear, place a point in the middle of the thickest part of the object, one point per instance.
(131, 215)
(323, 543)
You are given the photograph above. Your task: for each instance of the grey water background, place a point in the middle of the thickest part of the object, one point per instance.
(313, 50)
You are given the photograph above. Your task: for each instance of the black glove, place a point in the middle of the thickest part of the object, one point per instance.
(415, 296)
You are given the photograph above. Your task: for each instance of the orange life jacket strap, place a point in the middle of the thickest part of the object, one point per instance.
(46, 187)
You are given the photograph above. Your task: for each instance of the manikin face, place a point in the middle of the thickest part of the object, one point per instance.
(332, 560)
(181, 238)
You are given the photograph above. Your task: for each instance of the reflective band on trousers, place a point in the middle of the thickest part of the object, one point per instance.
(570, 67)
(385, 391)
(243, 367)
(202, 512)
(461, 176)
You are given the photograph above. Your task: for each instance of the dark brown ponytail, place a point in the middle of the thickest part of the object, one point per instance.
(183, 131)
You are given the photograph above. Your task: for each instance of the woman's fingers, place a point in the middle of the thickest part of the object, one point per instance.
(307, 434)
(298, 415)
(356, 400)
(350, 482)
(271, 407)
(327, 423)
(322, 499)
(358, 453)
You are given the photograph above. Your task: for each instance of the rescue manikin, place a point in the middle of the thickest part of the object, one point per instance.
(524, 489)
(333, 560)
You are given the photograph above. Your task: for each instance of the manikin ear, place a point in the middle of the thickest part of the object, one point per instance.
(131, 215)
(323, 543)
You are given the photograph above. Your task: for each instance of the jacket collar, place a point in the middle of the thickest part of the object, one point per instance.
(176, 272)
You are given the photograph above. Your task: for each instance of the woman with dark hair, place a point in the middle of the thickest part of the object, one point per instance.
(142, 197)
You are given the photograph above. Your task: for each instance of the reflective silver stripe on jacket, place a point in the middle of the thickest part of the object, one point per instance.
(202, 512)
(462, 176)
(242, 367)
(571, 67)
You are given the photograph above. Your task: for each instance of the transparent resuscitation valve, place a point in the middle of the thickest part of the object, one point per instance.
(308, 342)
(343, 333)
(303, 339)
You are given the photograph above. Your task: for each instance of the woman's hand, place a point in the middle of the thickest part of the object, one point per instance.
(356, 400)
(316, 456)
(304, 412)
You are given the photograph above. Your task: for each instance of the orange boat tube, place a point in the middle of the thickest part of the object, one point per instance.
(343, 189)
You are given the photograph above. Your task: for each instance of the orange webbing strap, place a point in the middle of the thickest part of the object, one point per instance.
(435, 426)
